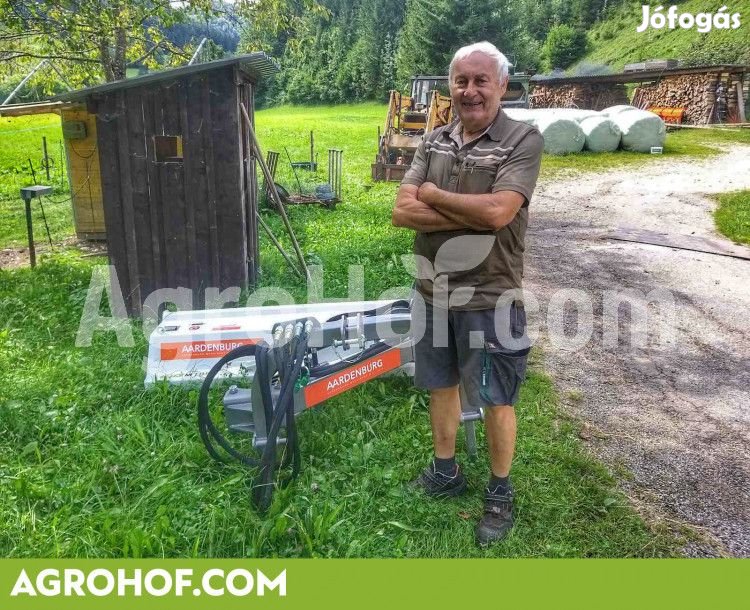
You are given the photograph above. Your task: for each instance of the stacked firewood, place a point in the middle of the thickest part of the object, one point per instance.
(696, 93)
(591, 96)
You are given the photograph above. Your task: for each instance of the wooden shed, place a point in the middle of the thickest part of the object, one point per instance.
(178, 179)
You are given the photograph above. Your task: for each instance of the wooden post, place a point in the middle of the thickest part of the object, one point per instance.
(46, 156)
(740, 102)
(275, 194)
(312, 152)
(275, 241)
(30, 231)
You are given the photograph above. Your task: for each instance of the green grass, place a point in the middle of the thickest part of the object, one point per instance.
(21, 140)
(733, 216)
(94, 465)
(615, 41)
(91, 464)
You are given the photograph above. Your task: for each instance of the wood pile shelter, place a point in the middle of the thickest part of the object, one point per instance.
(176, 172)
(707, 94)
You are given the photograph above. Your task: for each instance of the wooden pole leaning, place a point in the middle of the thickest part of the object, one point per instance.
(278, 245)
(274, 193)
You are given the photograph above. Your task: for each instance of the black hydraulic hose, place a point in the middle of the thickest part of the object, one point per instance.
(205, 425)
(286, 358)
(292, 357)
(263, 487)
(261, 369)
(289, 360)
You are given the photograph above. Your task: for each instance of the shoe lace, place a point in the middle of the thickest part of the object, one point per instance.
(498, 503)
(438, 478)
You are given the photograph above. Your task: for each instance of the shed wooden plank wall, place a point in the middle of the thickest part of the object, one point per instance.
(85, 181)
(179, 223)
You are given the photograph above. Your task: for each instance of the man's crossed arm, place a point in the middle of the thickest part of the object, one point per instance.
(427, 209)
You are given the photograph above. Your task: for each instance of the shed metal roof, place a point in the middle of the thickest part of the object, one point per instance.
(640, 75)
(257, 65)
(32, 108)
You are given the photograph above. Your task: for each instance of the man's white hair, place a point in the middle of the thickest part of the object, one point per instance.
(488, 49)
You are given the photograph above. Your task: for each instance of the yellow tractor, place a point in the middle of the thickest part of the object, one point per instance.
(407, 120)
(428, 107)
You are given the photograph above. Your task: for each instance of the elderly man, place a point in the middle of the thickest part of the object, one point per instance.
(473, 180)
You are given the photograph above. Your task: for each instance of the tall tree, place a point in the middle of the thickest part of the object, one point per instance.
(425, 39)
(433, 30)
(369, 68)
(94, 38)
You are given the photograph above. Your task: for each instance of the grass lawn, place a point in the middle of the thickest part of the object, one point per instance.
(21, 141)
(682, 143)
(91, 464)
(733, 216)
(616, 41)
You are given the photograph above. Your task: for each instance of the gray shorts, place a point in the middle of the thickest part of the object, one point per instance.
(485, 352)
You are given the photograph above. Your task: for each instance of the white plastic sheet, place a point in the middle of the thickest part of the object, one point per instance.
(602, 134)
(568, 130)
(613, 110)
(522, 114)
(574, 114)
(640, 130)
(561, 136)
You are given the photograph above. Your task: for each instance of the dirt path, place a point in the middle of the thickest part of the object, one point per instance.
(676, 415)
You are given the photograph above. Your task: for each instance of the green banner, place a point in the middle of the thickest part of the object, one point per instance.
(384, 584)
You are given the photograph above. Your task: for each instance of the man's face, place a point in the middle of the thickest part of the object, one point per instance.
(476, 91)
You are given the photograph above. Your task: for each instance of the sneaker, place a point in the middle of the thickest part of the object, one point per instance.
(439, 485)
(497, 520)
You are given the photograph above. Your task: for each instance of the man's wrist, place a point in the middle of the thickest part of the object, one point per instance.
(436, 197)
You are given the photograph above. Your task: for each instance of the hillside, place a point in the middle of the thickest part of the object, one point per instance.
(616, 42)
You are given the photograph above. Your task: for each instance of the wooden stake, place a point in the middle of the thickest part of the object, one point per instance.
(277, 244)
(274, 193)
(740, 102)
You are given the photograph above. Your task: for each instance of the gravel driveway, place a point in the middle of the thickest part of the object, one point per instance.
(675, 414)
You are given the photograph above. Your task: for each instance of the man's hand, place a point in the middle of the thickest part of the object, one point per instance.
(427, 191)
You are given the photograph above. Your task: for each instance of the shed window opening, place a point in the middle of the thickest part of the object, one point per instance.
(168, 149)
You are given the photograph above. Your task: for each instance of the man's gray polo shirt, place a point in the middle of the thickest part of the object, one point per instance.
(506, 157)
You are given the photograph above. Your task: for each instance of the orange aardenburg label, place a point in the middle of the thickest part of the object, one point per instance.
(351, 377)
(190, 350)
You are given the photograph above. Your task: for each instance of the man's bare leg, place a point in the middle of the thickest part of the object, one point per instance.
(500, 426)
(445, 413)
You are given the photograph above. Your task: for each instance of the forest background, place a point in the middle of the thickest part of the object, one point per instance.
(334, 51)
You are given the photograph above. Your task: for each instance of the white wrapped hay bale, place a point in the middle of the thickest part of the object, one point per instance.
(613, 110)
(561, 136)
(522, 114)
(602, 134)
(574, 114)
(640, 130)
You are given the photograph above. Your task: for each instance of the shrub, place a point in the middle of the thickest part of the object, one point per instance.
(564, 45)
